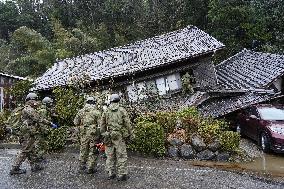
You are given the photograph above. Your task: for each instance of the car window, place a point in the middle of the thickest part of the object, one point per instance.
(271, 113)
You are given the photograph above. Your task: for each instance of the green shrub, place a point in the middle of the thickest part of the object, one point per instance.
(56, 139)
(209, 131)
(190, 119)
(230, 141)
(68, 102)
(149, 139)
(224, 126)
(3, 118)
(167, 120)
(147, 117)
(19, 90)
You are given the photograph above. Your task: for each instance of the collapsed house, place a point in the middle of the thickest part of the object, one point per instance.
(141, 69)
(244, 79)
(156, 66)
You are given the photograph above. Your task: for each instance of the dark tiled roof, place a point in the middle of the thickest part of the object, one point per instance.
(249, 73)
(139, 56)
(216, 107)
(250, 70)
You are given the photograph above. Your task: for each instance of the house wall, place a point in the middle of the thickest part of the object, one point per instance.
(5, 83)
(205, 74)
(166, 84)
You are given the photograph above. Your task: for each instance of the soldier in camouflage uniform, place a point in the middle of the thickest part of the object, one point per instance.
(116, 130)
(47, 112)
(30, 120)
(87, 119)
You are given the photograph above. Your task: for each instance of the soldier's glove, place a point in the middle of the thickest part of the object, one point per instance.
(54, 126)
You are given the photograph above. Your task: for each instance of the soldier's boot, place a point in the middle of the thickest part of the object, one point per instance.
(17, 170)
(36, 167)
(91, 171)
(122, 178)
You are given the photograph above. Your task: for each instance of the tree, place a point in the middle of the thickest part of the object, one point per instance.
(69, 44)
(34, 53)
(272, 15)
(9, 19)
(32, 15)
(235, 24)
(5, 54)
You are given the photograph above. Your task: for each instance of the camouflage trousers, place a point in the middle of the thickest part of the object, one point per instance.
(88, 152)
(116, 158)
(27, 152)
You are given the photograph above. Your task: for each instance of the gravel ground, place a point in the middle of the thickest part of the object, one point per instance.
(61, 172)
(250, 148)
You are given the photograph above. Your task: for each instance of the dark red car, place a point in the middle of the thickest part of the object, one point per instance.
(263, 123)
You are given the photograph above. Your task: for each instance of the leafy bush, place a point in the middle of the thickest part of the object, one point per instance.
(2, 132)
(3, 118)
(230, 141)
(167, 120)
(210, 129)
(188, 112)
(56, 139)
(190, 119)
(19, 90)
(149, 139)
(147, 117)
(68, 102)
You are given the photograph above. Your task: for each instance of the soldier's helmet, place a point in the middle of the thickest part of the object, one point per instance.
(31, 96)
(47, 100)
(91, 100)
(114, 98)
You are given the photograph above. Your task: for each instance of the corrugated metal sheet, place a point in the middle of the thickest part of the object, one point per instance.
(139, 56)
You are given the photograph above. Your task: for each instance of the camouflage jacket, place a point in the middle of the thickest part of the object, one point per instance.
(31, 119)
(88, 117)
(45, 112)
(115, 120)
